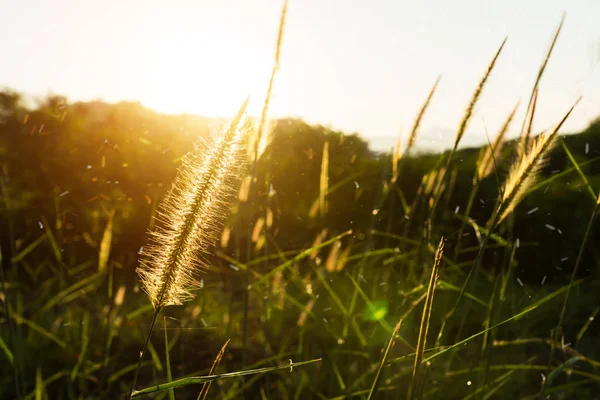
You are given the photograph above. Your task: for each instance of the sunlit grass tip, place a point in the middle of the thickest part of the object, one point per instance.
(191, 215)
(525, 170)
(462, 127)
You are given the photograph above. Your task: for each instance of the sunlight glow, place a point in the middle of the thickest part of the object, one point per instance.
(185, 81)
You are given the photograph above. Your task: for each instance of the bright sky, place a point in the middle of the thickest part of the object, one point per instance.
(358, 65)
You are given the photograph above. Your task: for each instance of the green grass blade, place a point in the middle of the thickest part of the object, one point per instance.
(148, 308)
(578, 169)
(6, 350)
(443, 285)
(331, 292)
(587, 324)
(171, 393)
(19, 256)
(447, 349)
(554, 294)
(20, 320)
(303, 254)
(64, 293)
(155, 357)
(52, 240)
(561, 368)
(39, 384)
(559, 175)
(209, 378)
(85, 340)
(125, 370)
(383, 360)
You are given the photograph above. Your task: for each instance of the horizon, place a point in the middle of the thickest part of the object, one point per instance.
(351, 75)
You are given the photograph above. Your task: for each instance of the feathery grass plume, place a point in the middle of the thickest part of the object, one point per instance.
(398, 154)
(415, 129)
(528, 114)
(524, 171)
(426, 316)
(462, 127)
(489, 159)
(324, 180)
(191, 213)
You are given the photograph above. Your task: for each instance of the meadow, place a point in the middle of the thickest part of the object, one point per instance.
(290, 261)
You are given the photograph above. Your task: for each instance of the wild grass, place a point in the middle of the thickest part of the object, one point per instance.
(347, 313)
(191, 216)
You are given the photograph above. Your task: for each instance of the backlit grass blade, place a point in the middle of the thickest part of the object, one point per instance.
(383, 360)
(538, 78)
(424, 328)
(21, 254)
(21, 320)
(578, 169)
(209, 378)
(455, 345)
(558, 175)
(304, 254)
(206, 386)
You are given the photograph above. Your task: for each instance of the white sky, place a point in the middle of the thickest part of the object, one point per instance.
(358, 65)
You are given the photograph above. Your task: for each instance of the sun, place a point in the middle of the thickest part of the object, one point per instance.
(210, 80)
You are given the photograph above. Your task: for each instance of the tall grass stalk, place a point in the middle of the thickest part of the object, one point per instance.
(206, 386)
(192, 213)
(193, 380)
(258, 143)
(389, 346)
(526, 130)
(424, 328)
